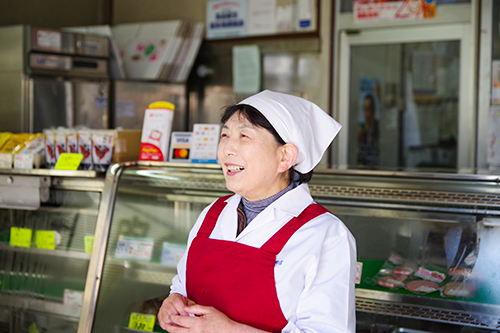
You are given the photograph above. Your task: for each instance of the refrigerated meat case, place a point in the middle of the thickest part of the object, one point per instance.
(440, 222)
(42, 283)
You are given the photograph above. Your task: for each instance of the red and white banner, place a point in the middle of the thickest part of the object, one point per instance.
(367, 10)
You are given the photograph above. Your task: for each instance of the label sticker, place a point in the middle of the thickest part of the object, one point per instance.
(5, 161)
(142, 322)
(134, 248)
(89, 243)
(45, 239)
(73, 297)
(358, 272)
(23, 161)
(20, 237)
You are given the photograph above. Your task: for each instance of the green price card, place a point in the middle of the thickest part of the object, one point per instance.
(68, 161)
(142, 322)
(89, 243)
(20, 237)
(45, 239)
(33, 328)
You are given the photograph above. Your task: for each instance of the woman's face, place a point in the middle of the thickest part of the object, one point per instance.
(250, 159)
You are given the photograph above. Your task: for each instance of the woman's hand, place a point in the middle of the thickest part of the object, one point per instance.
(201, 319)
(206, 319)
(173, 305)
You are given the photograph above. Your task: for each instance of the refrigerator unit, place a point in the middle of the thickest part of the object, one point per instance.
(52, 78)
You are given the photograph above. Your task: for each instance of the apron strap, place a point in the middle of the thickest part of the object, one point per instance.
(213, 214)
(276, 243)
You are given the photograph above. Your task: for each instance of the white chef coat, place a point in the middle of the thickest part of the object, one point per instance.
(315, 271)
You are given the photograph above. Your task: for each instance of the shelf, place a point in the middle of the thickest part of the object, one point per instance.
(430, 309)
(146, 272)
(52, 172)
(69, 210)
(52, 253)
(41, 306)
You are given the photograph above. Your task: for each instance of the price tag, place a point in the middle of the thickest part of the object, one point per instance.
(5, 161)
(23, 161)
(20, 237)
(142, 322)
(33, 328)
(359, 270)
(68, 161)
(138, 248)
(89, 243)
(45, 239)
(73, 297)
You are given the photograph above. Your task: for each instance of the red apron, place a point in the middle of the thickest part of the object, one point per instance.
(238, 279)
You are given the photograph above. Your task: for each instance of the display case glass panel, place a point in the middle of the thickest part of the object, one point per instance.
(153, 213)
(44, 259)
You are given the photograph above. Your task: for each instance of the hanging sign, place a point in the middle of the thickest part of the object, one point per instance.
(365, 11)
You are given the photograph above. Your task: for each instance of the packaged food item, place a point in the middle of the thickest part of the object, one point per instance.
(60, 142)
(4, 136)
(71, 141)
(85, 148)
(32, 155)
(403, 270)
(156, 131)
(459, 289)
(50, 150)
(394, 272)
(430, 275)
(422, 286)
(16, 143)
(392, 282)
(459, 272)
(102, 150)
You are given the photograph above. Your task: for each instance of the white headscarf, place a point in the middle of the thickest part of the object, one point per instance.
(297, 121)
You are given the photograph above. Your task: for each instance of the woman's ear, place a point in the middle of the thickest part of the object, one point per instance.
(288, 156)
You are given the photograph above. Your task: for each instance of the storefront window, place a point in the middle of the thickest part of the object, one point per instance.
(404, 106)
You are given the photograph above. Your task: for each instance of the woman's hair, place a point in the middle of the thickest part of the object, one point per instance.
(256, 118)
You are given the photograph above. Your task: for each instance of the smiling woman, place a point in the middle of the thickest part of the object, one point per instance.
(267, 259)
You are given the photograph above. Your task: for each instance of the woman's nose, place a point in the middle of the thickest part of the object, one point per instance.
(228, 146)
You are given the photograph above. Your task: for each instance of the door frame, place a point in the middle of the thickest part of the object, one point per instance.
(462, 32)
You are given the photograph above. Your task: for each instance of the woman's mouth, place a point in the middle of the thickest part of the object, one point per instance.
(234, 168)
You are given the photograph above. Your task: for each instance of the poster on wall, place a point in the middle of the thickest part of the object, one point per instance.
(226, 19)
(371, 10)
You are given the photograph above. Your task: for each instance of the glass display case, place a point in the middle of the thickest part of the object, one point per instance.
(151, 210)
(47, 224)
(426, 244)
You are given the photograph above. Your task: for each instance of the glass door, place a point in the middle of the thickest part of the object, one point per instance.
(405, 98)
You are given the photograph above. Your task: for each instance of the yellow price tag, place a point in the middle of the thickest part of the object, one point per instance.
(89, 243)
(33, 328)
(142, 322)
(45, 239)
(20, 237)
(68, 161)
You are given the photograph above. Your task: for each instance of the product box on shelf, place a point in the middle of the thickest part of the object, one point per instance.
(127, 145)
(156, 129)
